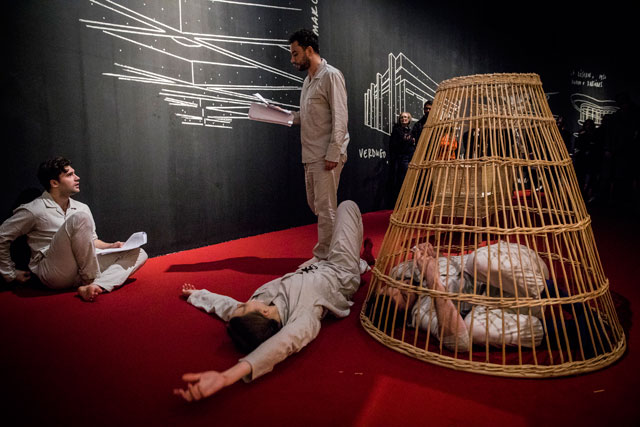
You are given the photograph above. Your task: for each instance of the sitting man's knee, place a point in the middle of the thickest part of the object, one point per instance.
(136, 257)
(79, 220)
(142, 256)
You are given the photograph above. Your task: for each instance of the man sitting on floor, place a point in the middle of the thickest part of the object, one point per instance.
(283, 315)
(62, 237)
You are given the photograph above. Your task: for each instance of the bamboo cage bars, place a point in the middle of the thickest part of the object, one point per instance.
(489, 263)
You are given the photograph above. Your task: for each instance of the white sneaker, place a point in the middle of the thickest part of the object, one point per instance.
(364, 267)
(308, 262)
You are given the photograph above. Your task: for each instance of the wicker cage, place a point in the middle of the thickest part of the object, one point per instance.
(489, 263)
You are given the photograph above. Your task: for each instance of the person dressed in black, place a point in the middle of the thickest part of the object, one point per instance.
(417, 127)
(401, 147)
(625, 149)
(565, 134)
(587, 156)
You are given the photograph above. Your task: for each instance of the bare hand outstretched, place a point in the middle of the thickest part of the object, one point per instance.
(200, 385)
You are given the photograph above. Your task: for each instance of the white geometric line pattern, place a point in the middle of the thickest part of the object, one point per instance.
(255, 4)
(592, 108)
(402, 87)
(208, 76)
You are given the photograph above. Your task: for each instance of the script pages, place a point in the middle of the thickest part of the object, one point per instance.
(134, 241)
(265, 111)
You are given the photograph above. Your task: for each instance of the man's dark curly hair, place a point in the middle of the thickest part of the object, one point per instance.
(305, 38)
(51, 169)
(249, 331)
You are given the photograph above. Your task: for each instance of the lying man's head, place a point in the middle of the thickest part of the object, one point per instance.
(252, 323)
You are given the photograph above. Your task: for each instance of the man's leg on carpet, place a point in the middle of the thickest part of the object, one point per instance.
(71, 260)
(116, 267)
(344, 250)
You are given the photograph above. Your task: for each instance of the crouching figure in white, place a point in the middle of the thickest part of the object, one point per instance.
(503, 269)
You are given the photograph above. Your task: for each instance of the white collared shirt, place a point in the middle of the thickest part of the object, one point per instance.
(39, 220)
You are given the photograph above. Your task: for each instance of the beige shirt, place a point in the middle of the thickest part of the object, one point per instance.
(39, 220)
(323, 115)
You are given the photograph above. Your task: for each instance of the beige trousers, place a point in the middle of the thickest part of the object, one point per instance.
(71, 259)
(322, 197)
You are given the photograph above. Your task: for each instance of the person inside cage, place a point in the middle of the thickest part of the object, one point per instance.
(506, 269)
(505, 272)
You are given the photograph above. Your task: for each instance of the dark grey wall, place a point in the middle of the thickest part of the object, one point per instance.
(189, 186)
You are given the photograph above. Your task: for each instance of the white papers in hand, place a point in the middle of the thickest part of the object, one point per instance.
(134, 241)
(265, 111)
(270, 104)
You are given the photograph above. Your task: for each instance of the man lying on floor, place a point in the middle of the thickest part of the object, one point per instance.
(459, 325)
(283, 315)
(62, 238)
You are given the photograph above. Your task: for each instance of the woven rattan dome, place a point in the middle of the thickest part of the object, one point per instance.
(492, 189)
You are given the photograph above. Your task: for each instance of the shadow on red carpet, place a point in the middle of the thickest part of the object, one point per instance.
(245, 264)
(115, 362)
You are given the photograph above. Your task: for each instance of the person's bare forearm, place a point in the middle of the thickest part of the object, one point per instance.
(205, 384)
(448, 316)
(99, 244)
(236, 372)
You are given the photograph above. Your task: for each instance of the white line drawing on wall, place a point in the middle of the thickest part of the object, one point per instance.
(255, 4)
(548, 95)
(592, 108)
(186, 47)
(402, 87)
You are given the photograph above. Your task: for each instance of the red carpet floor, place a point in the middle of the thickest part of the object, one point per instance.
(116, 361)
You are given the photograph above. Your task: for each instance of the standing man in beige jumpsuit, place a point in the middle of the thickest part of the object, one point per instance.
(62, 237)
(323, 120)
